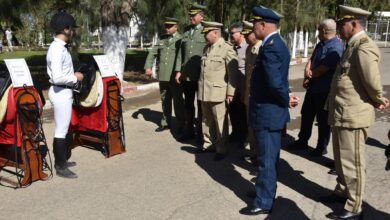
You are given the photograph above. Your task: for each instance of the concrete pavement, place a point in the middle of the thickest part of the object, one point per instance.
(160, 178)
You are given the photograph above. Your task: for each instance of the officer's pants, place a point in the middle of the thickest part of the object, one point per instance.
(251, 136)
(189, 89)
(268, 151)
(171, 91)
(215, 125)
(348, 147)
(313, 106)
(238, 120)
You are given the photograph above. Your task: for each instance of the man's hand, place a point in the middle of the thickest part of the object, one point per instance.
(306, 83)
(229, 99)
(148, 72)
(177, 77)
(308, 73)
(294, 101)
(79, 76)
(382, 106)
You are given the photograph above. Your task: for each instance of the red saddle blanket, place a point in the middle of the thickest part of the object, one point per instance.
(9, 127)
(92, 118)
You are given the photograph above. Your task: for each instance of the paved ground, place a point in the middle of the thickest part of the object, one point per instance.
(160, 178)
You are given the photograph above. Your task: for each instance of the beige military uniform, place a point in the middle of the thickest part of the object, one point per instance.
(218, 64)
(355, 87)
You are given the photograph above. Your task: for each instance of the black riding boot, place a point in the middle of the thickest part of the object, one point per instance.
(60, 153)
(69, 140)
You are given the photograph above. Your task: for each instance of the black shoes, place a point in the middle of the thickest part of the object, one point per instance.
(162, 128)
(63, 171)
(254, 211)
(344, 215)
(318, 152)
(332, 198)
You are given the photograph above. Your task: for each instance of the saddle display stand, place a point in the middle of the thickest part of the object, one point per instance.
(101, 126)
(22, 140)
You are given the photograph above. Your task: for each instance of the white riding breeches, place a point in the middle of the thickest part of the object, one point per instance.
(61, 99)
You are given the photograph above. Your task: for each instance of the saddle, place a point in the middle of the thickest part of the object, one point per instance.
(5, 80)
(82, 89)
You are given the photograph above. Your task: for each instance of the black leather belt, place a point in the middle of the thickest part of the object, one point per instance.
(63, 86)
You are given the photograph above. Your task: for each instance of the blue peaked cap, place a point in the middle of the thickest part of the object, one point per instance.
(265, 14)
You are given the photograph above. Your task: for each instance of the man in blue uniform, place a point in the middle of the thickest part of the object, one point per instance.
(318, 76)
(268, 106)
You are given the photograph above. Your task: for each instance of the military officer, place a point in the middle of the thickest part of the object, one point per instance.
(268, 106)
(188, 68)
(166, 52)
(251, 54)
(355, 91)
(237, 112)
(218, 63)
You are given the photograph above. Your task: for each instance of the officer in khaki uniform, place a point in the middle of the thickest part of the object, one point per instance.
(218, 64)
(188, 67)
(251, 54)
(355, 91)
(166, 52)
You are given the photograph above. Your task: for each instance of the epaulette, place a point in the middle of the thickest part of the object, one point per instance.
(229, 43)
(364, 40)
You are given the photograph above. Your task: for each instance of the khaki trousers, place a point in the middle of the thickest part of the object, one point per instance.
(215, 126)
(348, 148)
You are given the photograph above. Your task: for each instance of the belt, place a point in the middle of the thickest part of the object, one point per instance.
(63, 86)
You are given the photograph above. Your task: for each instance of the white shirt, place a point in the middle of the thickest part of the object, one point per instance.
(59, 64)
(8, 35)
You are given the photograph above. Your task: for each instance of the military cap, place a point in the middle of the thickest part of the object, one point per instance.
(260, 13)
(169, 20)
(248, 27)
(211, 25)
(196, 8)
(346, 12)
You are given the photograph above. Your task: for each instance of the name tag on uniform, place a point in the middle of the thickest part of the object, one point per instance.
(105, 66)
(19, 72)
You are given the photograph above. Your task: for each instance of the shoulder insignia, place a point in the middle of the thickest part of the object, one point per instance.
(364, 40)
(271, 42)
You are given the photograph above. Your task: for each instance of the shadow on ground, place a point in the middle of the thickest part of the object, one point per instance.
(149, 115)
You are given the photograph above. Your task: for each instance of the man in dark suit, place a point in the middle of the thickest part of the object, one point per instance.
(268, 106)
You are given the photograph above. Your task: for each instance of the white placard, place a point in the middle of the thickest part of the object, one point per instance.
(105, 66)
(19, 72)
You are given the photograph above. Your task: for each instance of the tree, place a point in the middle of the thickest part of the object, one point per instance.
(115, 25)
